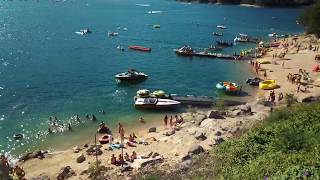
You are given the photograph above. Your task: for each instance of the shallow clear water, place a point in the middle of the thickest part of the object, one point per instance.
(48, 70)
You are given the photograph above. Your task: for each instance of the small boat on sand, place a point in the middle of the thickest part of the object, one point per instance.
(254, 81)
(104, 139)
(131, 75)
(140, 48)
(156, 103)
(221, 26)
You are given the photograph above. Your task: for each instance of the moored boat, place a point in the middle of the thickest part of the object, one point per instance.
(131, 75)
(254, 81)
(140, 48)
(241, 38)
(184, 51)
(156, 103)
(112, 34)
(104, 139)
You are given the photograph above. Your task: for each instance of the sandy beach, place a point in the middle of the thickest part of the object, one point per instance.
(200, 128)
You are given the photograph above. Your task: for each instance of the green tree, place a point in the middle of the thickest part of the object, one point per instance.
(310, 18)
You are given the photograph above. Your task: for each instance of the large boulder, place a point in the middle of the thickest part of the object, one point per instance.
(152, 129)
(80, 158)
(41, 177)
(65, 173)
(170, 132)
(186, 157)
(200, 136)
(310, 99)
(141, 163)
(242, 110)
(208, 123)
(94, 150)
(218, 140)
(198, 118)
(76, 149)
(196, 149)
(215, 115)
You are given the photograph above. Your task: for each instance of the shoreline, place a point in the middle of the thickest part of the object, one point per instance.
(207, 128)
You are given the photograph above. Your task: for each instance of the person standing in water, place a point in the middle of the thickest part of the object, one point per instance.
(77, 118)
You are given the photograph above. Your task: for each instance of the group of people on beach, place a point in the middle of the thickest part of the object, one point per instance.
(172, 123)
(9, 173)
(123, 160)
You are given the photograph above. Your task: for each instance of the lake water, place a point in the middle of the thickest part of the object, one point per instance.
(48, 70)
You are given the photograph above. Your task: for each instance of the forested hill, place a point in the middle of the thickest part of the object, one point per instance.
(268, 3)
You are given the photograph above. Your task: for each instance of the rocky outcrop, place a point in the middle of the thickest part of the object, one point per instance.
(65, 173)
(243, 110)
(94, 150)
(196, 149)
(80, 158)
(37, 154)
(215, 115)
(200, 136)
(76, 149)
(153, 129)
(311, 99)
(170, 132)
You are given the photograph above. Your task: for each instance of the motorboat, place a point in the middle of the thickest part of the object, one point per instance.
(112, 34)
(217, 34)
(156, 26)
(184, 51)
(131, 75)
(155, 12)
(140, 48)
(83, 32)
(254, 81)
(221, 26)
(224, 43)
(143, 5)
(241, 38)
(156, 103)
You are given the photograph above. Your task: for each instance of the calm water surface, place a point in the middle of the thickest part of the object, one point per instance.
(48, 70)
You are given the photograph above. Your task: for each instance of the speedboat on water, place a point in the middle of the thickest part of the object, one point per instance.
(112, 34)
(131, 75)
(155, 12)
(221, 26)
(184, 51)
(84, 32)
(241, 38)
(156, 103)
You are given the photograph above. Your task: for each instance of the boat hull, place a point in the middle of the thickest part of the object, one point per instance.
(140, 48)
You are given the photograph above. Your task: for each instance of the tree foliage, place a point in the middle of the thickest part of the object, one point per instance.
(310, 18)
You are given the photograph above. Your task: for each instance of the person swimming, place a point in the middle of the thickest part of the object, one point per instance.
(94, 118)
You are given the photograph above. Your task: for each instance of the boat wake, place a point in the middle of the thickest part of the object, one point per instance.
(143, 5)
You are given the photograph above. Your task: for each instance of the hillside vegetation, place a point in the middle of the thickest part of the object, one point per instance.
(286, 146)
(268, 3)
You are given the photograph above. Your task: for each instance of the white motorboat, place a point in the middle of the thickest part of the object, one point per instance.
(221, 26)
(112, 34)
(156, 103)
(155, 12)
(241, 38)
(131, 75)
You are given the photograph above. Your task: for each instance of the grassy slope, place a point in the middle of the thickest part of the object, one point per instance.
(286, 146)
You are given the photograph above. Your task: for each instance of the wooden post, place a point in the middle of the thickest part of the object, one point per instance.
(95, 143)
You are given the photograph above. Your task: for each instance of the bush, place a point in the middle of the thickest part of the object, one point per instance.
(286, 146)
